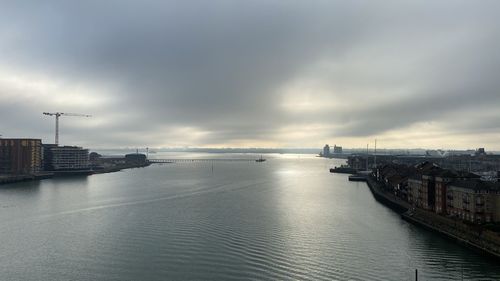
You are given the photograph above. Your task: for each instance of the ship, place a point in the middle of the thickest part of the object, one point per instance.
(260, 159)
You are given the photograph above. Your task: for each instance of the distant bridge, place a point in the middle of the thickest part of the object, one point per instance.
(206, 160)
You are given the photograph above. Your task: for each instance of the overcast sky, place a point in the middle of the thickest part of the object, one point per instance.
(252, 73)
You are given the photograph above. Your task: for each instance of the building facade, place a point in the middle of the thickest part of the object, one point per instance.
(474, 200)
(415, 190)
(20, 156)
(337, 149)
(65, 158)
(135, 159)
(326, 150)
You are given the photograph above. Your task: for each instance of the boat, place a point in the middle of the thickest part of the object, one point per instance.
(343, 170)
(357, 177)
(260, 159)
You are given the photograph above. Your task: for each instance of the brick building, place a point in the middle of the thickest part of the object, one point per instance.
(474, 200)
(20, 156)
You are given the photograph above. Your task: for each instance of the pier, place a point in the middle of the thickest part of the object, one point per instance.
(204, 160)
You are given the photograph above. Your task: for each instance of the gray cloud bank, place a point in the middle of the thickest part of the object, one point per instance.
(250, 73)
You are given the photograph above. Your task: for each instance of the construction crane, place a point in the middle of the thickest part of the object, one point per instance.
(57, 115)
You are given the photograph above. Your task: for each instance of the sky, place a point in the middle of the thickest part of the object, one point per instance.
(411, 74)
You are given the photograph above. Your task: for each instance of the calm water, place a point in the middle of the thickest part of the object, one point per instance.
(287, 218)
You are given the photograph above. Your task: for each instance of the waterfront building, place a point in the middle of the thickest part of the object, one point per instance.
(428, 189)
(474, 200)
(414, 190)
(418, 193)
(480, 152)
(326, 150)
(337, 149)
(65, 158)
(47, 156)
(442, 181)
(395, 178)
(20, 156)
(135, 159)
(484, 163)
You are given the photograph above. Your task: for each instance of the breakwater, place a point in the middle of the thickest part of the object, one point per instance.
(472, 236)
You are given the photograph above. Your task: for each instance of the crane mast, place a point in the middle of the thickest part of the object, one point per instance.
(59, 114)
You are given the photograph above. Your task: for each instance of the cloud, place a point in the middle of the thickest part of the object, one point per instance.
(273, 73)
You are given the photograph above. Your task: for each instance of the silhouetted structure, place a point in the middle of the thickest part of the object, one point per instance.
(337, 149)
(135, 159)
(326, 150)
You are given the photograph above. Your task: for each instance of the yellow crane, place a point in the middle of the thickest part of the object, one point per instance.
(59, 114)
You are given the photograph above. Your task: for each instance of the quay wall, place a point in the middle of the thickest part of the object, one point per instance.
(390, 200)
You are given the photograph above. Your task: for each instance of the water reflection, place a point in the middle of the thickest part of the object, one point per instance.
(287, 219)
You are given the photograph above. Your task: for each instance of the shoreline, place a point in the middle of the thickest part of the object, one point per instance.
(10, 179)
(481, 240)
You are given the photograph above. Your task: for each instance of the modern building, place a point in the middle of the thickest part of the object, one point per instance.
(326, 150)
(65, 158)
(20, 156)
(136, 159)
(47, 157)
(337, 149)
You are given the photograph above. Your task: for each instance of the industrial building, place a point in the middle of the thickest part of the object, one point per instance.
(20, 156)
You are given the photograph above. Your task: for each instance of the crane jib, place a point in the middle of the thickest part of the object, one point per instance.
(57, 114)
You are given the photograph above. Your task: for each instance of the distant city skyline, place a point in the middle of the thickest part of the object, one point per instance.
(271, 74)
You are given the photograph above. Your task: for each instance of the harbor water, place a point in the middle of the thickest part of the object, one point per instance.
(287, 218)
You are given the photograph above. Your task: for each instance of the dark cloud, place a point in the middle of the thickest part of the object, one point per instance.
(173, 73)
